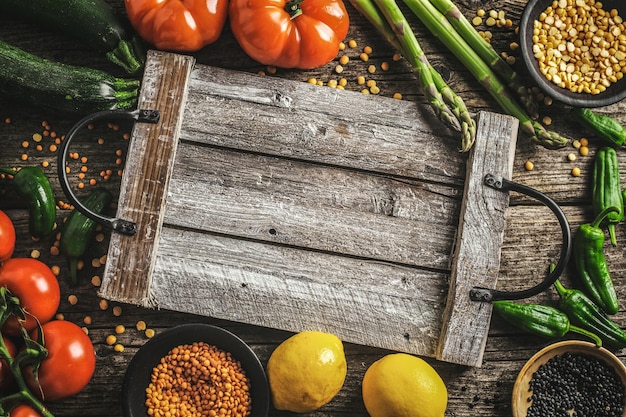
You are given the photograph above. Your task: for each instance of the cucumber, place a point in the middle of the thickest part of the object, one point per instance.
(79, 230)
(92, 22)
(54, 85)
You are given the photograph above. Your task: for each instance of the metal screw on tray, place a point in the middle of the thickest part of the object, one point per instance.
(488, 294)
(140, 115)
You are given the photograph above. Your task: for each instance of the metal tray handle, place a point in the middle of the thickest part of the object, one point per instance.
(487, 294)
(140, 115)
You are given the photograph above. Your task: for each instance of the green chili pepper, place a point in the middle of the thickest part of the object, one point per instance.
(78, 230)
(606, 127)
(540, 319)
(593, 271)
(607, 188)
(582, 311)
(32, 185)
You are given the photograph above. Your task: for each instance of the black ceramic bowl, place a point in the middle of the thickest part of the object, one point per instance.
(137, 377)
(614, 93)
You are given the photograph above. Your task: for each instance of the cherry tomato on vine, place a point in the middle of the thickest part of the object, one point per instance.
(7, 237)
(37, 288)
(6, 376)
(24, 410)
(70, 363)
(300, 34)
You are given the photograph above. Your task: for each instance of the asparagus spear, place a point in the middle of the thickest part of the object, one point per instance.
(487, 53)
(439, 26)
(445, 102)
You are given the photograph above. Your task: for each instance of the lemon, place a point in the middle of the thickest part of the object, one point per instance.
(402, 385)
(306, 371)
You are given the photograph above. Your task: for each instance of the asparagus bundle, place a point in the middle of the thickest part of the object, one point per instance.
(441, 28)
(449, 107)
(487, 53)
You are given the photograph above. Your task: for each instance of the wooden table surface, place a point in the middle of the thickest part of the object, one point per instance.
(532, 237)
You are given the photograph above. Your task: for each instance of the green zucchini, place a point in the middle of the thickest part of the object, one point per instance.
(92, 22)
(34, 80)
(79, 230)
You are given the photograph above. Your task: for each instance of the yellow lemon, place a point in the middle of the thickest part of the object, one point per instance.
(402, 385)
(306, 371)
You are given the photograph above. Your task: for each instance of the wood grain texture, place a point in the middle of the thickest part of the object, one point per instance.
(476, 259)
(141, 198)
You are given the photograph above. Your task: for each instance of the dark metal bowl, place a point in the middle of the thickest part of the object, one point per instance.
(137, 377)
(614, 93)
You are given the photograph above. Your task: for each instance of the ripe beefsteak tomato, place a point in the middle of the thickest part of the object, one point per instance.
(37, 288)
(300, 34)
(70, 363)
(178, 25)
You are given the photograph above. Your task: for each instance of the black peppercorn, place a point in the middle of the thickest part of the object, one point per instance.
(574, 384)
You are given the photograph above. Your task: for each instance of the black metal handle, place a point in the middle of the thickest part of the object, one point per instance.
(119, 225)
(487, 294)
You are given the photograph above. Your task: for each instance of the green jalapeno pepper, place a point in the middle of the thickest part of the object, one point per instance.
(78, 230)
(593, 271)
(542, 320)
(582, 311)
(33, 185)
(606, 188)
(606, 127)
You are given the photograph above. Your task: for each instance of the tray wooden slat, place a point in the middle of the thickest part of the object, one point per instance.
(296, 207)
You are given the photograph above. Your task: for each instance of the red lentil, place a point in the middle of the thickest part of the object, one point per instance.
(198, 380)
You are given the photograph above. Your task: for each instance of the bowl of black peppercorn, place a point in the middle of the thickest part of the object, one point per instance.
(571, 377)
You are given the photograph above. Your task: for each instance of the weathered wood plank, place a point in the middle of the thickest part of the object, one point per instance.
(313, 206)
(151, 153)
(476, 259)
(299, 120)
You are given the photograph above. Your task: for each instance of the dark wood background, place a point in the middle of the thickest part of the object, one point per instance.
(532, 239)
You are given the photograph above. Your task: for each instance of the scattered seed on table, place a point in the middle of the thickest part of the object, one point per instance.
(575, 172)
(110, 339)
(118, 347)
(368, 50)
(149, 333)
(529, 166)
(59, 316)
(117, 311)
(87, 320)
(103, 304)
(397, 96)
(584, 150)
(141, 325)
(119, 329)
(96, 281)
(571, 157)
(364, 57)
(352, 43)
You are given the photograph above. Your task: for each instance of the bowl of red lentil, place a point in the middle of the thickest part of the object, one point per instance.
(571, 378)
(575, 50)
(195, 370)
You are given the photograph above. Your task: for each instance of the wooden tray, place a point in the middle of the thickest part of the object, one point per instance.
(293, 206)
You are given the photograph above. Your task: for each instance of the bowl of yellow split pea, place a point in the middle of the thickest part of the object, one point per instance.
(575, 50)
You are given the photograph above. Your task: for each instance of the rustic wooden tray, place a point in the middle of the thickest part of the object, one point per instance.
(291, 206)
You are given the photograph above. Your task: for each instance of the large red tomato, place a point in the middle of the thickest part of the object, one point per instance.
(70, 363)
(37, 288)
(24, 410)
(178, 25)
(301, 34)
(7, 237)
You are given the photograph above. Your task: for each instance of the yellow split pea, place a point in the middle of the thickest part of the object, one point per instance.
(579, 46)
